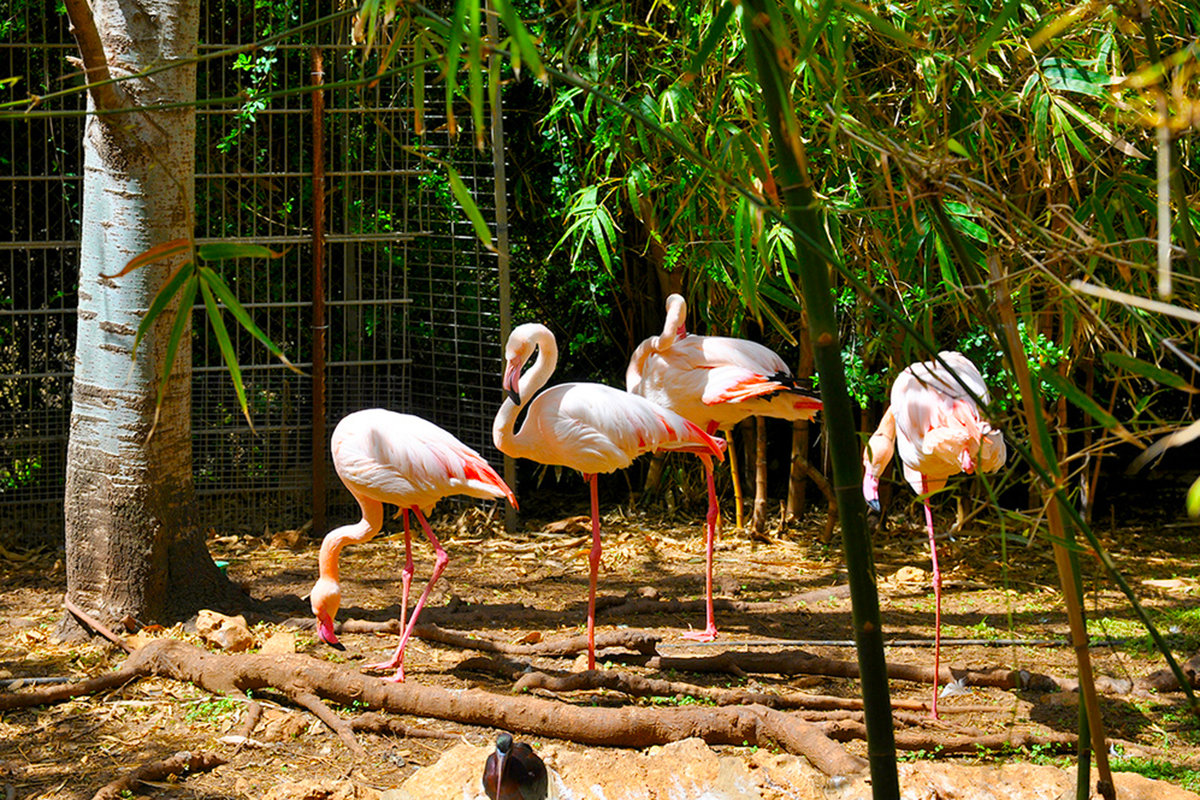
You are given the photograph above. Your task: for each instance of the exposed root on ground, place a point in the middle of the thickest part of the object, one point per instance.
(178, 764)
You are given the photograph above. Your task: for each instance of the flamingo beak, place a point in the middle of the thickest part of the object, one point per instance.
(871, 491)
(325, 632)
(510, 382)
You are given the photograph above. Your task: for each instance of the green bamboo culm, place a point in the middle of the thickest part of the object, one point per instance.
(761, 23)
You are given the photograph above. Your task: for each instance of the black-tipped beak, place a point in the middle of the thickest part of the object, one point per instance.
(874, 504)
(337, 646)
(513, 395)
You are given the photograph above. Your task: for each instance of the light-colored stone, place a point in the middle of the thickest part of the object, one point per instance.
(228, 633)
(278, 643)
(690, 770)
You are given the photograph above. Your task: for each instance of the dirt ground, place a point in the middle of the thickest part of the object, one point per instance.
(1000, 609)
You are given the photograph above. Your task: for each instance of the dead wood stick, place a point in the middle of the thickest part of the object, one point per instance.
(799, 662)
(310, 701)
(89, 621)
(254, 712)
(299, 676)
(633, 605)
(637, 686)
(640, 641)
(177, 764)
(45, 695)
(847, 730)
(374, 722)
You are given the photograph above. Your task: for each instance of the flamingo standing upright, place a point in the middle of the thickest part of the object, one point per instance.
(716, 382)
(937, 428)
(585, 426)
(386, 457)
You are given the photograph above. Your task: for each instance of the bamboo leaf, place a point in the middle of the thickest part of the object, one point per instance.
(165, 250)
(187, 297)
(418, 86)
(1081, 400)
(1147, 370)
(221, 289)
(713, 35)
(226, 346)
(1099, 128)
(881, 25)
(224, 251)
(979, 51)
(467, 204)
(521, 38)
(1062, 75)
(475, 70)
(161, 300)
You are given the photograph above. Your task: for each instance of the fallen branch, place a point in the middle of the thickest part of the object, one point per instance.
(634, 605)
(177, 764)
(637, 686)
(90, 622)
(849, 730)
(639, 641)
(373, 722)
(310, 682)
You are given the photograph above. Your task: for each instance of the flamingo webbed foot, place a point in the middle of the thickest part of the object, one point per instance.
(709, 634)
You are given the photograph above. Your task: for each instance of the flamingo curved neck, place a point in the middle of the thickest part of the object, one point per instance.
(507, 438)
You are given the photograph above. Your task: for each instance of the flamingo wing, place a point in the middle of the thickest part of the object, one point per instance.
(409, 461)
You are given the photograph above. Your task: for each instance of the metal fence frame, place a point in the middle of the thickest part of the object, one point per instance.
(413, 312)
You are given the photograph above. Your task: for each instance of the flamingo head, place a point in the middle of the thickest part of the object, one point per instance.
(517, 352)
(325, 598)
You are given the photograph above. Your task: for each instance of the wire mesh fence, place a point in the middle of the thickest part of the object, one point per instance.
(412, 311)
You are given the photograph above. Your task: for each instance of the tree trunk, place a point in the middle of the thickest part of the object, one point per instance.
(132, 545)
(797, 479)
(759, 519)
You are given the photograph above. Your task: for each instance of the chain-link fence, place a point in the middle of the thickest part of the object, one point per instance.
(412, 313)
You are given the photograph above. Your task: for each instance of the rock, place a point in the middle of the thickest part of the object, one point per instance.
(690, 770)
(320, 790)
(282, 642)
(227, 633)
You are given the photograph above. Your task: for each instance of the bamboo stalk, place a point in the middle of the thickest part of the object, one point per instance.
(812, 265)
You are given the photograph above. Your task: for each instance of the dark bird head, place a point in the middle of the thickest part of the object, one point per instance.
(514, 772)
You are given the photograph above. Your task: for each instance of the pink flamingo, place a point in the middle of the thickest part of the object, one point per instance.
(585, 426)
(936, 426)
(385, 457)
(716, 382)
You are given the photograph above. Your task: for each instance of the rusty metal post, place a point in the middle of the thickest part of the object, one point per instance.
(318, 296)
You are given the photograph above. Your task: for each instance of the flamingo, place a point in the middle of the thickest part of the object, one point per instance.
(584, 426)
(716, 382)
(386, 457)
(936, 426)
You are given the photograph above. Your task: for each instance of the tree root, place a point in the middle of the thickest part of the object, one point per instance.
(637, 686)
(310, 683)
(634, 605)
(373, 722)
(849, 730)
(177, 764)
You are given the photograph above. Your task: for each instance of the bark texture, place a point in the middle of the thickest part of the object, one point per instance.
(131, 545)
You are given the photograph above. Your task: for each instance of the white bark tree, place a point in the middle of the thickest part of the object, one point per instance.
(132, 544)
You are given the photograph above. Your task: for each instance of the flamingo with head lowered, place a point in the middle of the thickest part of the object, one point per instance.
(936, 426)
(585, 426)
(716, 382)
(385, 457)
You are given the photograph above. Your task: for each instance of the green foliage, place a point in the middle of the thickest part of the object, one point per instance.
(1187, 778)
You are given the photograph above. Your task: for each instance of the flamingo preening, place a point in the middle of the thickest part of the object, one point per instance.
(385, 457)
(716, 382)
(584, 426)
(936, 426)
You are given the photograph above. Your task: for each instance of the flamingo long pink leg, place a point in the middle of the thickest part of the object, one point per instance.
(937, 598)
(439, 565)
(710, 629)
(593, 571)
(406, 574)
